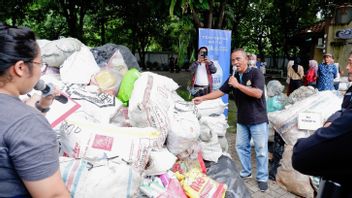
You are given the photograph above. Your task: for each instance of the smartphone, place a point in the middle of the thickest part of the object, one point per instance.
(204, 54)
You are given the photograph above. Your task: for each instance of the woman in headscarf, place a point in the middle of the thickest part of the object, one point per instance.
(311, 76)
(295, 74)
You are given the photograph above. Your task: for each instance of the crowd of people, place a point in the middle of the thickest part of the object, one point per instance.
(323, 76)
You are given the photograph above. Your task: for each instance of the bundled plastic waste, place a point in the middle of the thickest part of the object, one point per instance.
(102, 55)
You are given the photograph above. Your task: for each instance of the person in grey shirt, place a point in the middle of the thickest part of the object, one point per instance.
(29, 161)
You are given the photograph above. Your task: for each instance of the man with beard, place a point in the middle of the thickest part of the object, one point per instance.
(326, 152)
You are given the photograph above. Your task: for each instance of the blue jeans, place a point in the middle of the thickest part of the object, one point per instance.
(259, 133)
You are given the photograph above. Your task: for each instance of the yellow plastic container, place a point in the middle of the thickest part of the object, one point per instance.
(106, 79)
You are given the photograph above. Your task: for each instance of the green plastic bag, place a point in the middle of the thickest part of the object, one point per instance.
(275, 103)
(127, 84)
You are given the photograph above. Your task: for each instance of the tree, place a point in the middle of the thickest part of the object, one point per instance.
(14, 11)
(264, 27)
(143, 21)
(203, 14)
(73, 11)
(291, 19)
(47, 24)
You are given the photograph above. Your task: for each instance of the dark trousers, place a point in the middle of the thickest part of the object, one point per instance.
(294, 84)
(278, 150)
(200, 90)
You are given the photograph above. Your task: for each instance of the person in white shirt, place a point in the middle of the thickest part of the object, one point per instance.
(201, 71)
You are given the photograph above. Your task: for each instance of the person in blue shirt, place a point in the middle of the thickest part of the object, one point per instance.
(261, 64)
(326, 73)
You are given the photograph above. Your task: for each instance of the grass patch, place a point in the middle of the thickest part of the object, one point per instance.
(232, 116)
(184, 93)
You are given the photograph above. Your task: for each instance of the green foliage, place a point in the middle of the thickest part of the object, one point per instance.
(262, 27)
(49, 26)
(13, 11)
(182, 31)
(184, 93)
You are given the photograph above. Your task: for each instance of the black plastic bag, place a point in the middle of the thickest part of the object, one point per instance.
(225, 171)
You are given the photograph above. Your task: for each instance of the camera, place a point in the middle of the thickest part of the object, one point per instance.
(204, 54)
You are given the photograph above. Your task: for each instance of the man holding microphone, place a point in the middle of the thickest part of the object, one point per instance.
(247, 85)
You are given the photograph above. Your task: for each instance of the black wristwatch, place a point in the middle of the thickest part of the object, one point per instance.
(43, 110)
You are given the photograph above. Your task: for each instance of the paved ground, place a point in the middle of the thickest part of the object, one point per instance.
(274, 189)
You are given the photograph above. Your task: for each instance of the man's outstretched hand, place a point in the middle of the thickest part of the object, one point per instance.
(197, 100)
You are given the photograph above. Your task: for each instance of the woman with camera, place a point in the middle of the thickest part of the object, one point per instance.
(202, 71)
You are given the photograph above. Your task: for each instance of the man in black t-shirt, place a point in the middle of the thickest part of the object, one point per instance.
(247, 85)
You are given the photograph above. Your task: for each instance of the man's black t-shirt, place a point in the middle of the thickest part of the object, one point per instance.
(250, 110)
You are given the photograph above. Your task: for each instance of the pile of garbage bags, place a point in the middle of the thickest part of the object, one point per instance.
(126, 133)
(284, 121)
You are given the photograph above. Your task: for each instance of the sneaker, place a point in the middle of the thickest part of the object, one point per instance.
(263, 186)
(246, 177)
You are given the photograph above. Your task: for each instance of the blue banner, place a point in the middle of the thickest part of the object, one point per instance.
(218, 43)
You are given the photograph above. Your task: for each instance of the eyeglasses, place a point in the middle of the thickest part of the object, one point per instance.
(43, 65)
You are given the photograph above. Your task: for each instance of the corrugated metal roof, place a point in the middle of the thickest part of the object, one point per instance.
(316, 28)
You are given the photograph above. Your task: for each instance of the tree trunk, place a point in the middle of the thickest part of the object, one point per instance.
(196, 21)
(210, 14)
(221, 14)
(75, 27)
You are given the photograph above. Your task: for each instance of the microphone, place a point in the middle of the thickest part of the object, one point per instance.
(234, 68)
(48, 89)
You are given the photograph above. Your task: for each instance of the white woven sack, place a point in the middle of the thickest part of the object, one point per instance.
(79, 67)
(91, 141)
(210, 146)
(209, 107)
(150, 101)
(184, 131)
(95, 107)
(160, 162)
(56, 52)
(218, 124)
(285, 121)
(103, 178)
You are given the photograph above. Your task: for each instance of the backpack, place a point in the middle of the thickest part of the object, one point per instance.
(310, 77)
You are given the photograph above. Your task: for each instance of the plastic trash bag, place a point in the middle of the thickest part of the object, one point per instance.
(126, 86)
(225, 171)
(103, 53)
